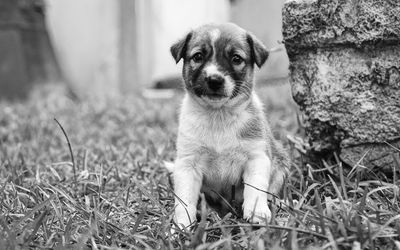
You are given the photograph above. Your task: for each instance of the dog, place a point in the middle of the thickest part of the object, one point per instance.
(225, 148)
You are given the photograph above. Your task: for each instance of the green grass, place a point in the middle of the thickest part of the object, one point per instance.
(120, 195)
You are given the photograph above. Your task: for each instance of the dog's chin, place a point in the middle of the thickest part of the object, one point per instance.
(213, 100)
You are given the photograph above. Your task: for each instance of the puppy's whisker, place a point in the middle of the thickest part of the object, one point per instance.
(244, 88)
(247, 87)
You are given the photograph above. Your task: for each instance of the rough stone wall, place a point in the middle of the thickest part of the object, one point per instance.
(345, 75)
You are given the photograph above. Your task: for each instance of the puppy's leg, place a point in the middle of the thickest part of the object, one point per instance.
(187, 184)
(257, 174)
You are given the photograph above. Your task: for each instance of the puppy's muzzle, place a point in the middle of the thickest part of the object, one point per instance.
(215, 83)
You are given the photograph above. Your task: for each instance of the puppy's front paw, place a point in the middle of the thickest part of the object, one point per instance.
(182, 224)
(182, 221)
(257, 213)
(184, 216)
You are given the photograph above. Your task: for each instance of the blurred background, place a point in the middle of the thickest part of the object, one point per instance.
(105, 48)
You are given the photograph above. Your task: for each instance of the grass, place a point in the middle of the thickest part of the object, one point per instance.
(115, 193)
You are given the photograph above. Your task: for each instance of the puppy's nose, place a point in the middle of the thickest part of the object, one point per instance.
(215, 82)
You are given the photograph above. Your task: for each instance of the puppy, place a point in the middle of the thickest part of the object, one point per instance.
(225, 148)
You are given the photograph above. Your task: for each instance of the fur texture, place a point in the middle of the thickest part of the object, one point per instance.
(224, 141)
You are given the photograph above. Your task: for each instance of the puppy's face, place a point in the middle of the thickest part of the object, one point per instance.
(219, 63)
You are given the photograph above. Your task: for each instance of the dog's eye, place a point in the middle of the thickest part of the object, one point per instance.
(236, 60)
(197, 58)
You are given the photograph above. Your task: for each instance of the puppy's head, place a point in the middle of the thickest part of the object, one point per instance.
(219, 63)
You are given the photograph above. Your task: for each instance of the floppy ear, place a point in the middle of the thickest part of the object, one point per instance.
(178, 49)
(258, 50)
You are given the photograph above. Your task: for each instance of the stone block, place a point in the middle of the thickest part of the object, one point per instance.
(345, 76)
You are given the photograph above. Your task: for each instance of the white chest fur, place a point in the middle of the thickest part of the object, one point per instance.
(211, 136)
(215, 129)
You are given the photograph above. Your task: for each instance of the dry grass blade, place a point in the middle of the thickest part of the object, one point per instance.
(339, 195)
(233, 210)
(384, 226)
(350, 174)
(304, 197)
(68, 228)
(264, 191)
(36, 224)
(288, 229)
(320, 211)
(342, 182)
(332, 243)
(36, 209)
(65, 195)
(69, 147)
(139, 220)
(392, 146)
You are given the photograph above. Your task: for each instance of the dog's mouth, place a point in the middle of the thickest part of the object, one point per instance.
(215, 96)
(215, 100)
(210, 95)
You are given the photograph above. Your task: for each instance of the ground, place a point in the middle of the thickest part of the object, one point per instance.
(115, 192)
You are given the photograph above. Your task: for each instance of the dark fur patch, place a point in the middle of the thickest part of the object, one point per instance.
(258, 51)
(178, 49)
(224, 201)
